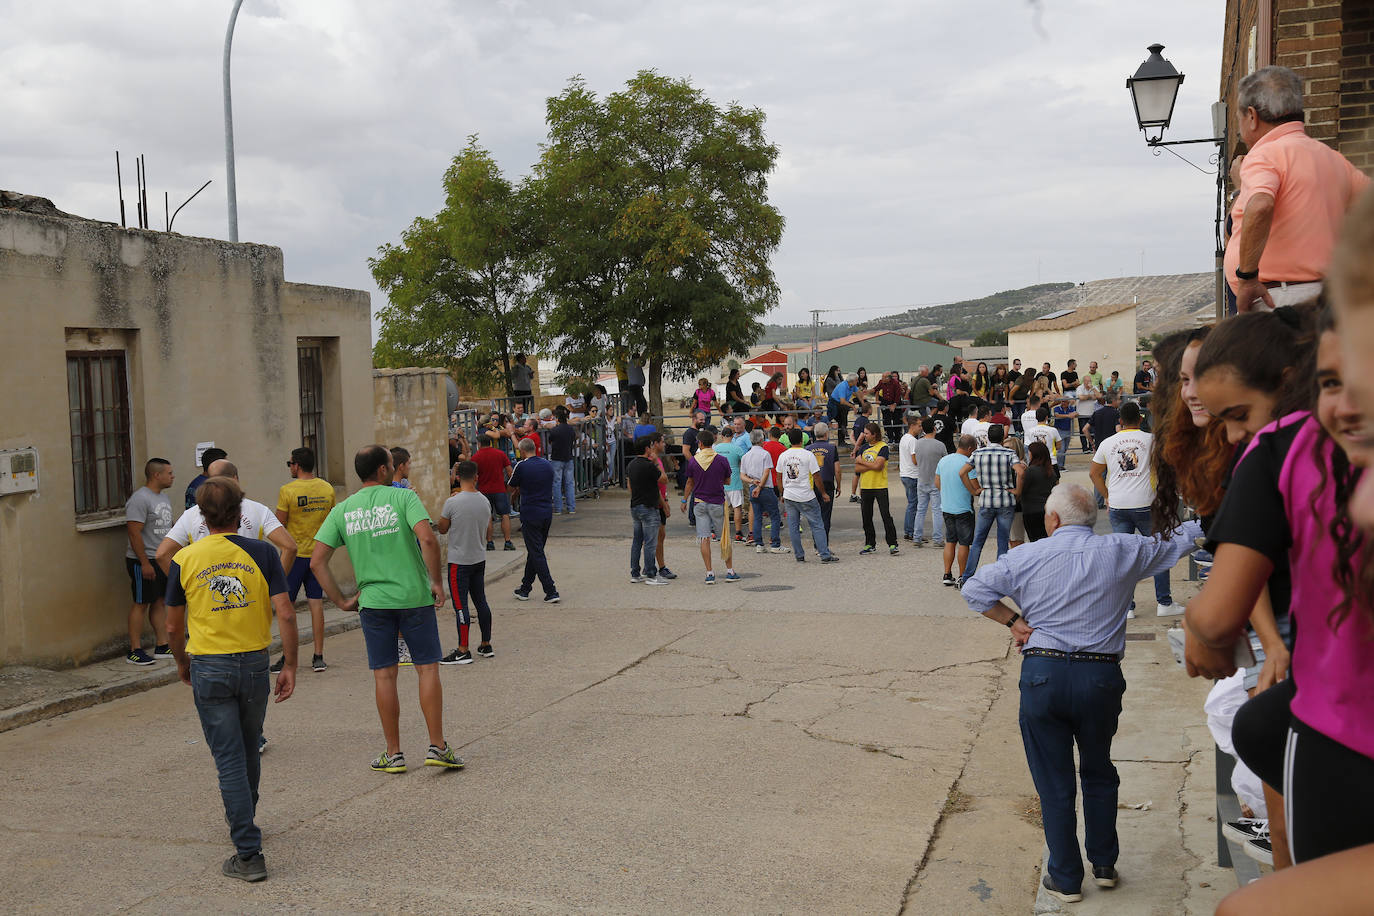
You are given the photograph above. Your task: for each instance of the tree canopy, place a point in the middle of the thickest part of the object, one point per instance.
(460, 285)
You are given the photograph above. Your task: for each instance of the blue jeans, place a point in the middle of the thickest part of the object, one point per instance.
(928, 497)
(646, 522)
(910, 484)
(231, 694)
(812, 510)
(985, 519)
(766, 502)
(564, 485)
(1137, 521)
(1064, 702)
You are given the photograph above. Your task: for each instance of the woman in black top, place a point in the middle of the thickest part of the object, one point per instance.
(734, 394)
(1040, 478)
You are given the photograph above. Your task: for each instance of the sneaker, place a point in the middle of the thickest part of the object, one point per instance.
(779, 549)
(163, 652)
(552, 599)
(572, 511)
(732, 576)
(893, 551)
(948, 580)
(853, 498)
(490, 545)
(760, 549)
(1246, 829)
(803, 560)
(1169, 610)
(509, 546)
(739, 537)
(262, 743)
(443, 756)
(486, 651)
(655, 580)
(390, 763)
(907, 537)
(1260, 849)
(917, 542)
(1048, 884)
(140, 657)
(522, 596)
(317, 663)
(636, 578)
(253, 868)
(1104, 876)
(278, 665)
(1130, 614)
(830, 559)
(710, 578)
(867, 550)
(666, 573)
(457, 657)
(403, 653)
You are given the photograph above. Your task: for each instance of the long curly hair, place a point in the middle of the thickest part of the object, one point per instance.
(1189, 463)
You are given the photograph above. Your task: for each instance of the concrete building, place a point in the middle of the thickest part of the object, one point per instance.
(121, 345)
(1105, 333)
(875, 351)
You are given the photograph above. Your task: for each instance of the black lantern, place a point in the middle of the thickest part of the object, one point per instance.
(1154, 88)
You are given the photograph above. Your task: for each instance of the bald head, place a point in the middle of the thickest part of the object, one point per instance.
(224, 468)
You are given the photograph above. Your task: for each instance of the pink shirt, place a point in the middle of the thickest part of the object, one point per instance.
(1312, 186)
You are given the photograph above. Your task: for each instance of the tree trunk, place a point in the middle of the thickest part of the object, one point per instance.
(655, 379)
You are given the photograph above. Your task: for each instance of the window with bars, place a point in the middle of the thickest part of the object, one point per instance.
(98, 401)
(310, 369)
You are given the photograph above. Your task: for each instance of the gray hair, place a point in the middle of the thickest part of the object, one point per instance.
(1073, 504)
(820, 430)
(527, 447)
(1274, 92)
(756, 436)
(545, 414)
(852, 377)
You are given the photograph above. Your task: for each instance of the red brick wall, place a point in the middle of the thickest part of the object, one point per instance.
(1355, 128)
(1307, 40)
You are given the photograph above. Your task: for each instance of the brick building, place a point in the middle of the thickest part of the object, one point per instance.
(1329, 44)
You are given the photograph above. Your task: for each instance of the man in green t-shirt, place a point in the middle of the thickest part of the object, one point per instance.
(395, 557)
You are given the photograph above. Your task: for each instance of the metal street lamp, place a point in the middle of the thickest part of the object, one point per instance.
(229, 130)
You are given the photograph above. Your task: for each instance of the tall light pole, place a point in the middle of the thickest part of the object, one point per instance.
(229, 130)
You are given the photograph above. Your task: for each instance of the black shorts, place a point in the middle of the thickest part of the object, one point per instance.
(145, 591)
(959, 528)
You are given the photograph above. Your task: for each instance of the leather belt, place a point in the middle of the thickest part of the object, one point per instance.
(1277, 284)
(1073, 656)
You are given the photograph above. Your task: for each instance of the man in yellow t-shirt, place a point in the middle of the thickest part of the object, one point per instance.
(871, 466)
(302, 506)
(226, 588)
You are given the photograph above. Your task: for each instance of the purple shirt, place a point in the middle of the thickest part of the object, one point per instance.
(708, 484)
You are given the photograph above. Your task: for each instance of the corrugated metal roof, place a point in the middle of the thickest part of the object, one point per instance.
(1073, 319)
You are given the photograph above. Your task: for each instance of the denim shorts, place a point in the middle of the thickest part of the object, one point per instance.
(959, 528)
(418, 625)
(500, 503)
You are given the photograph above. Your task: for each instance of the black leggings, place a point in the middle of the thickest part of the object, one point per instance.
(1035, 525)
(469, 581)
(1260, 731)
(867, 497)
(1327, 801)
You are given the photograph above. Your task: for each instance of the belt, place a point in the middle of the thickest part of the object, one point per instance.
(1073, 656)
(1279, 284)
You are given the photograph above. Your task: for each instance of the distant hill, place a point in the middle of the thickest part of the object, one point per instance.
(1163, 303)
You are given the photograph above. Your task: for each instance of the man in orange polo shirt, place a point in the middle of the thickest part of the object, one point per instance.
(1294, 192)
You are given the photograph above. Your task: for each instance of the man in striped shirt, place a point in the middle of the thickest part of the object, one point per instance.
(999, 481)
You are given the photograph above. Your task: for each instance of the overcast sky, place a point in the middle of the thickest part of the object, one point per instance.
(931, 150)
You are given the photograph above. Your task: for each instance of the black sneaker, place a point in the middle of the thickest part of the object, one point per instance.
(317, 663)
(262, 744)
(457, 657)
(278, 664)
(140, 657)
(1068, 897)
(666, 573)
(253, 868)
(1260, 849)
(509, 546)
(486, 651)
(163, 652)
(1104, 876)
(907, 537)
(522, 596)
(1246, 829)
(948, 579)
(552, 599)
(853, 498)
(490, 545)
(830, 559)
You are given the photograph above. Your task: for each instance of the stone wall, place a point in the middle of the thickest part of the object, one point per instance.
(411, 410)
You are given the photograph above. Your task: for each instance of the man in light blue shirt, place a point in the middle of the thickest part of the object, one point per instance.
(841, 399)
(734, 487)
(1073, 589)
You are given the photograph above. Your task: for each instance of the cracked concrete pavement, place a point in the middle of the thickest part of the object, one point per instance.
(846, 746)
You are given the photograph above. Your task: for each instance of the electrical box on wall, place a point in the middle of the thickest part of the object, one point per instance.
(18, 470)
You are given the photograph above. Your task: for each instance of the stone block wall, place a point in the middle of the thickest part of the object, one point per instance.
(411, 410)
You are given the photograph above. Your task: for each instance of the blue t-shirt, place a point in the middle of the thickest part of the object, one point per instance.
(842, 392)
(534, 478)
(732, 454)
(955, 499)
(192, 487)
(645, 429)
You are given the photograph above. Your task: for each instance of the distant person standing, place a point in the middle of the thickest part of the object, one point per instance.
(756, 472)
(871, 466)
(395, 557)
(522, 381)
(533, 481)
(302, 506)
(635, 382)
(558, 444)
(147, 519)
(798, 468)
(493, 470)
(828, 480)
(999, 481)
(707, 476)
(648, 511)
(956, 479)
(465, 519)
(928, 452)
(906, 453)
(207, 458)
(227, 587)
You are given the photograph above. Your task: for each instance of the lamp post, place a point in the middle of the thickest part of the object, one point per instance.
(229, 130)
(1154, 90)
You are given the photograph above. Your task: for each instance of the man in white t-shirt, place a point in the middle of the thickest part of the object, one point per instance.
(978, 425)
(1121, 474)
(1041, 430)
(256, 521)
(906, 455)
(1030, 418)
(794, 468)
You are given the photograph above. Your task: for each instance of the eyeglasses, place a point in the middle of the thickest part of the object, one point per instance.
(289, 462)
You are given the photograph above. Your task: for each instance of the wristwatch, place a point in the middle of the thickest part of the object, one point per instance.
(1014, 617)
(1246, 274)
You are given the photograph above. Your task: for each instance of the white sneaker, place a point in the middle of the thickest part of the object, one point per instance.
(655, 580)
(760, 549)
(1130, 614)
(779, 549)
(1169, 610)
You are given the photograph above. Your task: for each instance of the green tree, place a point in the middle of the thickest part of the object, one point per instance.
(657, 232)
(990, 338)
(460, 285)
